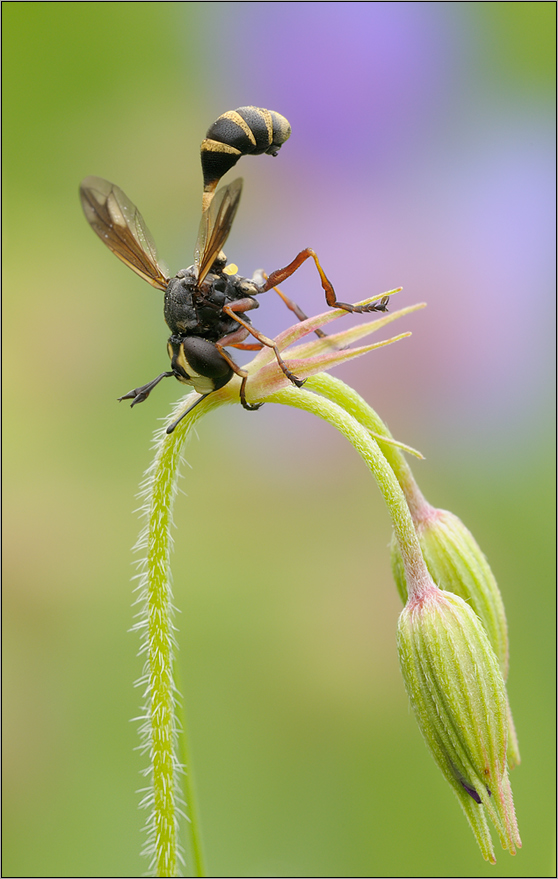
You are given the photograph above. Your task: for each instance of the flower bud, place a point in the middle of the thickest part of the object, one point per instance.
(457, 692)
(457, 564)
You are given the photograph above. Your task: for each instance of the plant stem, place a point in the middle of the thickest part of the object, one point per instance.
(160, 727)
(193, 822)
(160, 732)
(336, 390)
(367, 447)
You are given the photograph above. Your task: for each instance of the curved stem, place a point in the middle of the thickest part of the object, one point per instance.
(336, 390)
(367, 447)
(161, 730)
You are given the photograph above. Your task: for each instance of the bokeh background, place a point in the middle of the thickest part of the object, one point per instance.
(422, 155)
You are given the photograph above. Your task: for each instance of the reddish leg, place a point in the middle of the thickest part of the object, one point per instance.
(281, 275)
(296, 309)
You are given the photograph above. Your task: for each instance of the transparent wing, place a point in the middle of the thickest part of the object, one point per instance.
(118, 223)
(215, 226)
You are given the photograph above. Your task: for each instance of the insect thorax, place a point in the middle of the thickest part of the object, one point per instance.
(193, 311)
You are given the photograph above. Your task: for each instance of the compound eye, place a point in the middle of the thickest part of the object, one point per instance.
(203, 358)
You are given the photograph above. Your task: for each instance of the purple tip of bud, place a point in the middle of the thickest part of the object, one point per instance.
(470, 790)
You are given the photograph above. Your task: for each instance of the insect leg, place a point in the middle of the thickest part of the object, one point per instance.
(171, 427)
(245, 305)
(292, 306)
(235, 341)
(280, 275)
(138, 395)
(290, 303)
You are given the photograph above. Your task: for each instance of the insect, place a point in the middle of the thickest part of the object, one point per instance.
(204, 305)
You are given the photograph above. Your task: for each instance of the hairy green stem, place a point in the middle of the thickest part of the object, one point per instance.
(367, 447)
(160, 729)
(338, 392)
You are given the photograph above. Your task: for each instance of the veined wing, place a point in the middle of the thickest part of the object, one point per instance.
(215, 226)
(118, 223)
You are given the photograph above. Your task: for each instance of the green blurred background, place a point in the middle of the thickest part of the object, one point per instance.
(422, 155)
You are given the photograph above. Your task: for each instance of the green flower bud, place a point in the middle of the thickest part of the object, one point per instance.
(457, 692)
(457, 564)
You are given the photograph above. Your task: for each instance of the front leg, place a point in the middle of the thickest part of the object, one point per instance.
(138, 395)
(172, 426)
(235, 340)
(281, 275)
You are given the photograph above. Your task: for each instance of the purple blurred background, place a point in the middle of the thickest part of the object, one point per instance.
(421, 156)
